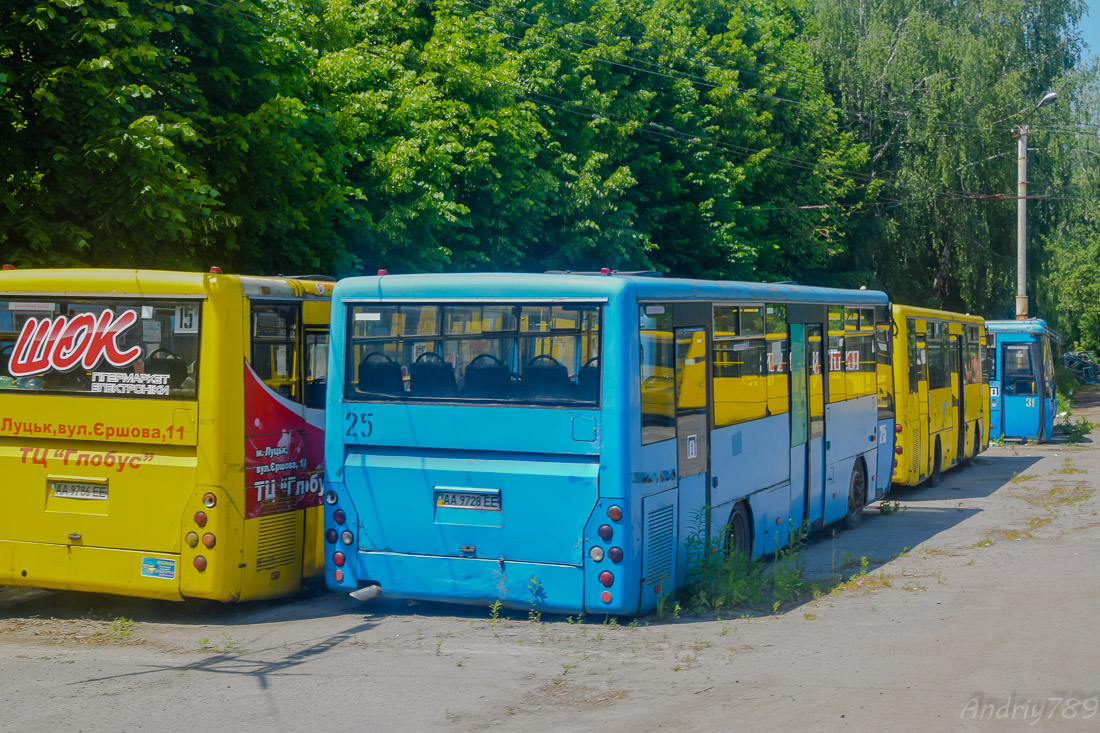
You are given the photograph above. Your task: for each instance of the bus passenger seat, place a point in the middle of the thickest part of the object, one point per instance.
(487, 380)
(176, 369)
(548, 382)
(383, 377)
(588, 383)
(432, 379)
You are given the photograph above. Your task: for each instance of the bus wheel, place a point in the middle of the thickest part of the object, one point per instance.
(934, 479)
(739, 536)
(857, 492)
(964, 457)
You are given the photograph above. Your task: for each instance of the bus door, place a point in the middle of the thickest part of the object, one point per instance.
(922, 460)
(692, 423)
(277, 479)
(1021, 390)
(1048, 394)
(958, 396)
(807, 414)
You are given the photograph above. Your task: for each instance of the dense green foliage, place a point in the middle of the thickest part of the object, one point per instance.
(831, 141)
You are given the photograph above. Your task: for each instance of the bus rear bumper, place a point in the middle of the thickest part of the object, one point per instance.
(91, 569)
(524, 586)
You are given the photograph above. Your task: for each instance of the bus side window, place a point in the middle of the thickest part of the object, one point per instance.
(316, 368)
(275, 347)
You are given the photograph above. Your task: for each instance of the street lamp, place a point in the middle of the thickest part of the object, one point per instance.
(1021, 207)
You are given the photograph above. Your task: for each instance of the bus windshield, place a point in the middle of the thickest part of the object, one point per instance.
(120, 348)
(533, 353)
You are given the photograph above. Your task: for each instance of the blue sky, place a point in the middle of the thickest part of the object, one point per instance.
(1090, 26)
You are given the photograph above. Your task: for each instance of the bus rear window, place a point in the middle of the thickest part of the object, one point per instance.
(117, 348)
(499, 352)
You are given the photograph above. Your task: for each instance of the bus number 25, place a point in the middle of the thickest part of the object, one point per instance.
(359, 425)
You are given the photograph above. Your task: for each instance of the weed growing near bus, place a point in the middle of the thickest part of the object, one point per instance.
(720, 580)
(1075, 432)
(888, 507)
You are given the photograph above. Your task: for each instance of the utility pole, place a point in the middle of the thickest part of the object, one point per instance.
(1021, 208)
(1021, 223)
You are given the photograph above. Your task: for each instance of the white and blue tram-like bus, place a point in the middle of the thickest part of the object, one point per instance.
(554, 441)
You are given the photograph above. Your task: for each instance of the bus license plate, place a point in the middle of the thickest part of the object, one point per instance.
(488, 501)
(78, 490)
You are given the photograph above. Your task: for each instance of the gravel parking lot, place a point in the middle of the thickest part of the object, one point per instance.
(975, 609)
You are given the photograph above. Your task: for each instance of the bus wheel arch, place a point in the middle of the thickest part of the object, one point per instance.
(857, 494)
(739, 530)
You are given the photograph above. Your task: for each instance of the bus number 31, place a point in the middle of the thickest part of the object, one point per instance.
(361, 421)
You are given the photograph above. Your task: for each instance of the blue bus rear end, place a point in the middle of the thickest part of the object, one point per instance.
(1022, 390)
(553, 441)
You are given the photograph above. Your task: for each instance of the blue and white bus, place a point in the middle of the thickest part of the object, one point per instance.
(1022, 394)
(553, 441)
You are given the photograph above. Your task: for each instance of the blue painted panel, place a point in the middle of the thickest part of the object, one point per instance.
(885, 453)
(660, 546)
(763, 459)
(798, 485)
(817, 481)
(471, 427)
(544, 503)
(519, 585)
(692, 502)
(771, 519)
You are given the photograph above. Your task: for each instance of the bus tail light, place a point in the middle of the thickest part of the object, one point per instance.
(330, 536)
(614, 513)
(605, 532)
(897, 428)
(208, 541)
(897, 449)
(200, 519)
(338, 558)
(606, 579)
(209, 500)
(192, 539)
(199, 563)
(339, 516)
(596, 553)
(330, 497)
(615, 555)
(338, 576)
(606, 596)
(347, 537)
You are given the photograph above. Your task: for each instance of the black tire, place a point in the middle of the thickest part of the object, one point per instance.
(739, 534)
(934, 478)
(967, 454)
(857, 493)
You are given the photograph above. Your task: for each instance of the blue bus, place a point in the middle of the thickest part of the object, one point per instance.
(1022, 396)
(553, 441)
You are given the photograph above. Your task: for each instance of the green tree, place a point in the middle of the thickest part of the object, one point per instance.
(934, 88)
(164, 135)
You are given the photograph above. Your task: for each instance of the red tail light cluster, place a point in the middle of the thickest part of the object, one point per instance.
(208, 540)
(596, 553)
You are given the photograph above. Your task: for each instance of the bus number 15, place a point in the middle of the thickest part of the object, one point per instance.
(359, 425)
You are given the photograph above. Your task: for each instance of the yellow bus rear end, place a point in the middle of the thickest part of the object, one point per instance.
(148, 446)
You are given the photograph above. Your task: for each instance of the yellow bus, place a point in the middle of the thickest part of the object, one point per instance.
(942, 388)
(161, 433)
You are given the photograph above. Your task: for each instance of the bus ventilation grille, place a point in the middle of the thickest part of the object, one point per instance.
(278, 541)
(660, 525)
